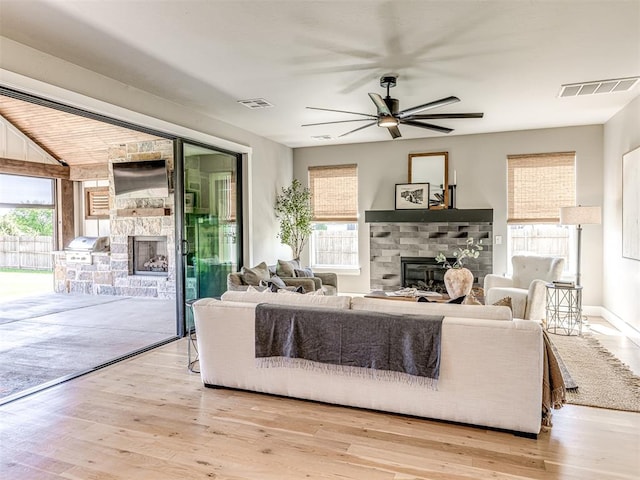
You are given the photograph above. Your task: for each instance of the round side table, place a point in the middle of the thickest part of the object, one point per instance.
(564, 309)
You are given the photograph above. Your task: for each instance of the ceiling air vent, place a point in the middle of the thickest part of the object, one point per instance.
(255, 103)
(598, 86)
(322, 138)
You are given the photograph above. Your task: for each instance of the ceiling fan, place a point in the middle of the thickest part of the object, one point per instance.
(388, 115)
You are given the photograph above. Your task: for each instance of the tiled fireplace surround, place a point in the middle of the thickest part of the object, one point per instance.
(393, 235)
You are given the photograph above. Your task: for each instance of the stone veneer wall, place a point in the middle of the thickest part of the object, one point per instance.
(109, 274)
(388, 242)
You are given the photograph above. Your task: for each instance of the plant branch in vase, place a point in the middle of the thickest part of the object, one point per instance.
(459, 280)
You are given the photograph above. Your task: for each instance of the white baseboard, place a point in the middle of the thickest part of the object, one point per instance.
(630, 332)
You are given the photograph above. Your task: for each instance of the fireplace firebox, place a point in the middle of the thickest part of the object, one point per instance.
(149, 256)
(423, 273)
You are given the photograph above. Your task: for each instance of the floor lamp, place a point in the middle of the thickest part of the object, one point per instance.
(580, 216)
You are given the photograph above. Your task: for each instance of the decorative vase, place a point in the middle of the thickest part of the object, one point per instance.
(458, 281)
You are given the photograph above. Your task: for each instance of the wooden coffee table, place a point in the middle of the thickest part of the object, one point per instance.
(443, 299)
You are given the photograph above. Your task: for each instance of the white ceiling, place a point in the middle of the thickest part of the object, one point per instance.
(507, 59)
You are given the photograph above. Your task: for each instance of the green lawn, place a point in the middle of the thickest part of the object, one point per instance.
(21, 283)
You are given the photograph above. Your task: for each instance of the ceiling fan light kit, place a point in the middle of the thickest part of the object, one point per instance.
(388, 116)
(387, 121)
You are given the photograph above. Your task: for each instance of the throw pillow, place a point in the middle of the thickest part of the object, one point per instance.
(471, 300)
(504, 302)
(458, 300)
(298, 289)
(303, 272)
(317, 292)
(253, 276)
(258, 289)
(274, 283)
(286, 268)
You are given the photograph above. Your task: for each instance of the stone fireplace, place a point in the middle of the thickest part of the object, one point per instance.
(403, 245)
(148, 256)
(142, 258)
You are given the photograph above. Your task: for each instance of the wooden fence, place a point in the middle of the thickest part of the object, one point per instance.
(26, 252)
(336, 247)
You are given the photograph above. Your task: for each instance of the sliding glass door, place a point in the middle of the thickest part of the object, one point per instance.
(212, 226)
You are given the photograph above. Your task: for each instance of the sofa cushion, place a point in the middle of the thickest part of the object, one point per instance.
(253, 275)
(309, 300)
(287, 268)
(433, 308)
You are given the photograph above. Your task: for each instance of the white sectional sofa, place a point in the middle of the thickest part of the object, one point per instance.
(491, 366)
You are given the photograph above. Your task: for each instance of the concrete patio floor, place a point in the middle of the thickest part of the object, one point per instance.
(50, 336)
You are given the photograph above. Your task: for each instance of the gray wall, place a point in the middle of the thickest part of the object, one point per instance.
(480, 163)
(621, 290)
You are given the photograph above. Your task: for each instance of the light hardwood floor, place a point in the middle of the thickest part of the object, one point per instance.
(149, 418)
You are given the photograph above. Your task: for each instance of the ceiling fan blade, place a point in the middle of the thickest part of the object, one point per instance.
(342, 111)
(380, 105)
(431, 116)
(394, 131)
(428, 126)
(337, 121)
(359, 128)
(438, 103)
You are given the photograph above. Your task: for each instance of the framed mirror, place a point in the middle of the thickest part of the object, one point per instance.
(431, 168)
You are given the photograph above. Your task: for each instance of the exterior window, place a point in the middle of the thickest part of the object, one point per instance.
(538, 185)
(334, 202)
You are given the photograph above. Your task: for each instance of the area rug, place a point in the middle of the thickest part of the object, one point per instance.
(602, 380)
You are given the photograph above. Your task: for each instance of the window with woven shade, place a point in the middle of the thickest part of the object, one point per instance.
(334, 193)
(334, 203)
(537, 186)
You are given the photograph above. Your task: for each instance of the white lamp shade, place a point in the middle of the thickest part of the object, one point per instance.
(580, 215)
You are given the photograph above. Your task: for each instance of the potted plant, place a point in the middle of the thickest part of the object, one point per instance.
(293, 209)
(459, 280)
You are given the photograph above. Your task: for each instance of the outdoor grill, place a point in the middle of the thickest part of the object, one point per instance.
(81, 248)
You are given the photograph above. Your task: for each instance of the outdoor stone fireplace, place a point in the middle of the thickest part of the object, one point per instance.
(142, 257)
(148, 256)
(403, 246)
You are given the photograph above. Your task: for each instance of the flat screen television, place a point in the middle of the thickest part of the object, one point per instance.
(144, 179)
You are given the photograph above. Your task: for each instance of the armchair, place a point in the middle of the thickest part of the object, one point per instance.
(526, 286)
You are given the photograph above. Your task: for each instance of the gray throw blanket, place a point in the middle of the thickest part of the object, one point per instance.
(363, 343)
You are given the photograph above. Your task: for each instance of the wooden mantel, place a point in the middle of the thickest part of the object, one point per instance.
(429, 216)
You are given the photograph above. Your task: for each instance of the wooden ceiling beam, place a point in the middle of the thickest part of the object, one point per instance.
(33, 169)
(92, 171)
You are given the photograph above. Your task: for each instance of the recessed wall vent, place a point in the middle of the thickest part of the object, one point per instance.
(255, 103)
(598, 86)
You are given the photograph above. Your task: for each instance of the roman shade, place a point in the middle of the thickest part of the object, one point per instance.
(538, 185)
(334, 193)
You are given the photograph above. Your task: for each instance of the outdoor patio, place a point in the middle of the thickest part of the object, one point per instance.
(46, 336)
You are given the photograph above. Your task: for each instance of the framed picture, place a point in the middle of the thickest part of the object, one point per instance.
(189, 202)
(631, 204)
(412, 196)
